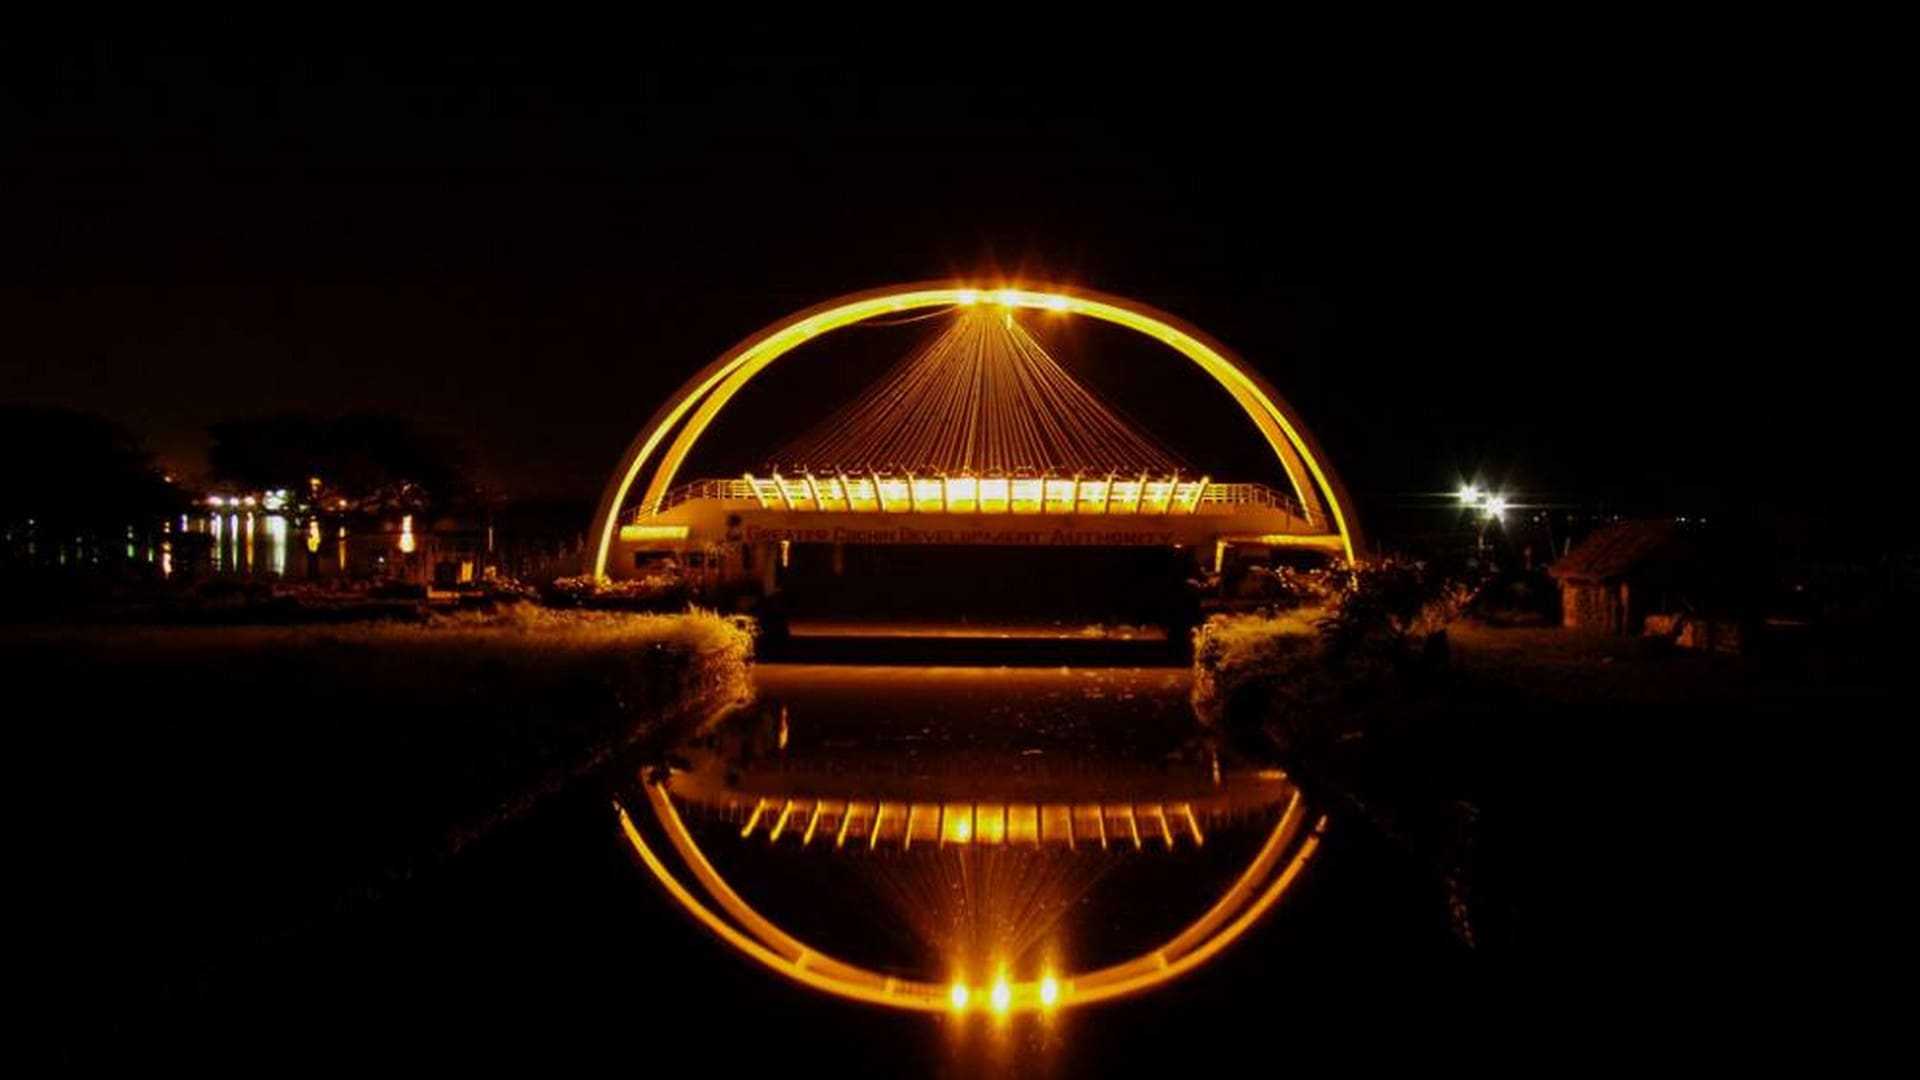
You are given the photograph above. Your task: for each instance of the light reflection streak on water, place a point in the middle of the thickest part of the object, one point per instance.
(1252, 895)
(235, 538)
(990, 887)
(277, 544)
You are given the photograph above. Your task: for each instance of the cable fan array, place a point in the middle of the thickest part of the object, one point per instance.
(982, 398)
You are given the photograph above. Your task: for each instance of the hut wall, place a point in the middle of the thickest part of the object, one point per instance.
(1592, 605)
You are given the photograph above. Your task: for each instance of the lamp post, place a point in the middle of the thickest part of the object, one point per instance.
(1488, 506)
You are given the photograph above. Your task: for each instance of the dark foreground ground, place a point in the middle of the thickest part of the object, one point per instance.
(1731, 824)
(1692, 855)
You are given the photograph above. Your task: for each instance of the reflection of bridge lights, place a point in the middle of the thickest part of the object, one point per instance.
(1278, 864)
(1049, 991)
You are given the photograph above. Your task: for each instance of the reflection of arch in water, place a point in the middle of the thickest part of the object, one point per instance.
(1278, 864)
(686, 415)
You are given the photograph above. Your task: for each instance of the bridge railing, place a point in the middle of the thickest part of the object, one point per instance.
(703, 489)
(980, 494)
(1259, 495)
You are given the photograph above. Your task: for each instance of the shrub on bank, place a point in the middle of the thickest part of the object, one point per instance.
(1305, 674)
(625, 661)
(661, 588)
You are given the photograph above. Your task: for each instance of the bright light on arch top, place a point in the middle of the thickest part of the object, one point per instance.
(663, 445)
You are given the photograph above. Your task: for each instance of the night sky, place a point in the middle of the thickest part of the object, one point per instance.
(1632, 261)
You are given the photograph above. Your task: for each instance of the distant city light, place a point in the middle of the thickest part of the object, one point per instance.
(407, 543)
(1496, 505)
(1470, 495)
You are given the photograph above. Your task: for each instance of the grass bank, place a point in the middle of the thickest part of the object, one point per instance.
(198, 793)
(1600, 801)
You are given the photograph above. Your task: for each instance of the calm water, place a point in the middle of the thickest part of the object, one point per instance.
(550, 938)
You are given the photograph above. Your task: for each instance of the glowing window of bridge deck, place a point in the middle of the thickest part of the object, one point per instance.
(923, 823)
(1023, 823)
(995, 495)
(963, 494)
(893, 493)
(798, 494)
(1090, 824)
(956, 823)
(990, 823)
(831, 496)
(1056, 824)
(929, 494)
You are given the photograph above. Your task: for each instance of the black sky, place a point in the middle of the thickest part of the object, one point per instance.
(1623, 259)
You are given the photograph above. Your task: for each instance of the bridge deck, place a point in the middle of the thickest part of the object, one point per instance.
(977, 511)
(980, 494)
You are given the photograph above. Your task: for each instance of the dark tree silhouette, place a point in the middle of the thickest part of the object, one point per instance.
(373, 463)
(74, 472)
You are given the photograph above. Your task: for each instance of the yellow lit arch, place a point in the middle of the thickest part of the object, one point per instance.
(702, 398)
(1279, 863)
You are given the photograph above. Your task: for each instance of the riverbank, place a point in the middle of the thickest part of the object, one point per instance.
(1603, 803)
(200, 796)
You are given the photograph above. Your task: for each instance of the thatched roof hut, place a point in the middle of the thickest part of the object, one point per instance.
(1624, 572)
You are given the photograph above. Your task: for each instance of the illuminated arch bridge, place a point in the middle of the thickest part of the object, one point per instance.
(978, 437)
